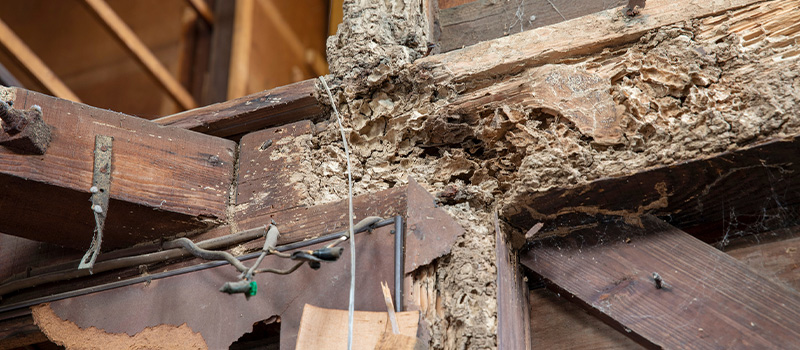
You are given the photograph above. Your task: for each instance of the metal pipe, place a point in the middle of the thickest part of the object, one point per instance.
(193, 268)
(399, 262)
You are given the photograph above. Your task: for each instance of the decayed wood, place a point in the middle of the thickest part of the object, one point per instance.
(164, 181)
(478, 21)
(140, 52)
(707, 298)
(33, 64)
(267, 178)
(746, 182)
(513, 311)
(579, 36)
(273, 107)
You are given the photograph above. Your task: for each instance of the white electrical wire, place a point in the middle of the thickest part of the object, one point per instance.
(351, 307)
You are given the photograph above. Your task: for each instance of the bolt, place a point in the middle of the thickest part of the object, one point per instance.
(659, 281)
(97, 209)
(94, 189)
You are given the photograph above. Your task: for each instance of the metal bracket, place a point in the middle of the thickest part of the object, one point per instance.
(101, 185)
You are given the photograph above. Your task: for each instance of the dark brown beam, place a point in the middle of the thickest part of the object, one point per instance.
(746, 183)
(215, 87)
(707, 299)
(19, 332)
(477, 21)
(513, 310)
(278, 106)
(164, 181)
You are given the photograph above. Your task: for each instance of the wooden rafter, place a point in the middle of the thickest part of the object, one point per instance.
(33, 64)
(176, 179)
(203, 9)
(241, 48)
(282, 105)
(706, 299)
(302, 54)
(140, 52)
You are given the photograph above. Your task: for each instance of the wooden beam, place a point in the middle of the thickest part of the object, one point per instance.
(215, 87)
(19, 332)
(308, 56)
(203, 9)
(774, 255)
(513, 311)
(746, 183)
(33, 64)
(164, 181)
(241, 49)
(278, 106)
(8, 79)
(707, 299)
(579, 36)
(140, 52)
(473, 22)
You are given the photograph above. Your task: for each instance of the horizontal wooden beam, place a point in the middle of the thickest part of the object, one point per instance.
(19, 332)
(746, 183)
(33, 64)
(282, 105)
(706, 299)
(590, 33)
(111, 21)
(164, 181)
(470, 23)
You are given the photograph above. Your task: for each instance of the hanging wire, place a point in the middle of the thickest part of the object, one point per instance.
(351, 306)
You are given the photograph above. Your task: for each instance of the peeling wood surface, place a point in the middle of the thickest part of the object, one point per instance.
(282, 105)
(582, 35)
(513, 311)
(175, 178)
(430, 232)
(465, 23)
(268, 176)
(709, 299)
(746, 182)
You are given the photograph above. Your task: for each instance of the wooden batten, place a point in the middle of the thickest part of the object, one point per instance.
(278, 106)
(664, 288)
(164, 181)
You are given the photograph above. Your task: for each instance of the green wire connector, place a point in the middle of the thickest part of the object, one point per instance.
(253, 289)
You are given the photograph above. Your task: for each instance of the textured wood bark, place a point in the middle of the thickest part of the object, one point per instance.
(164, 181)
(273, 107)
(707, 298)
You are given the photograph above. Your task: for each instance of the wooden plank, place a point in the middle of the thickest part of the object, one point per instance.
(139, 50)
(322, 328)
(203, 9)
(446, 4)
(513, 311)
(215, 87)
(269, 175)
(774, 255)
(241, 47)
(746, 183)
(33, 64)
(302, 54)
(707, 299)
(164, 181)
(19, 332)
(278, 106)
(557, 324)
(579, 36)
(8, 79)
(476, 21)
